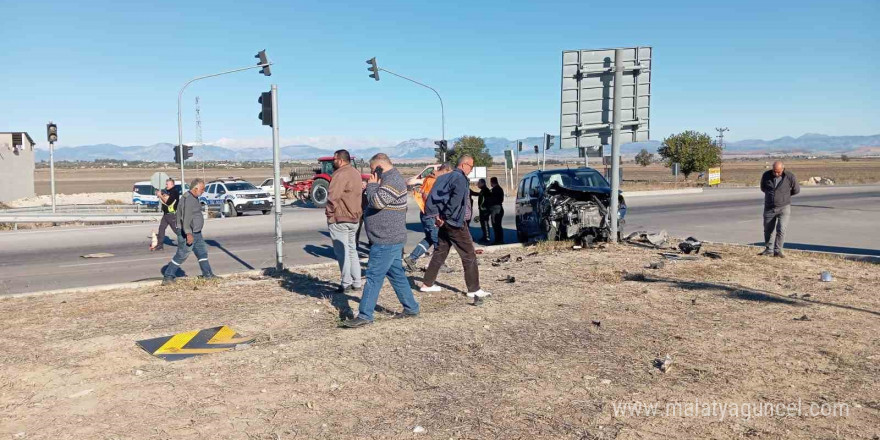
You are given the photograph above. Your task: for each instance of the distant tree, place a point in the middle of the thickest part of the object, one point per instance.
(473, 145)
(694, 151)
(844, 158)
(644, 158)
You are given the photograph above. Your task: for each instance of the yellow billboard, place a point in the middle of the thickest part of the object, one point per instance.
(714, 176)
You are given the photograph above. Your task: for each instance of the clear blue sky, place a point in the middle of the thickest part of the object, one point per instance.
(109, 72)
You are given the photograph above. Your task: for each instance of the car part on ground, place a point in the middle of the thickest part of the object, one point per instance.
(690, 244)
(657, 240)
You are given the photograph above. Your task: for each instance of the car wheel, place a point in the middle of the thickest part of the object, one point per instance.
(266, 211)
(232, 212)
(320, 193)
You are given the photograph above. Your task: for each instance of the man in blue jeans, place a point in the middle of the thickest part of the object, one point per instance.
(189, 233)
(385, 223)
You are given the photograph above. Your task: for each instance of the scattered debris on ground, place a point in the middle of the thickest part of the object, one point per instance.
(549, 356)
(817, 180)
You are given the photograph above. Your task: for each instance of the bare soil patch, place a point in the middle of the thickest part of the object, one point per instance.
(551, 355)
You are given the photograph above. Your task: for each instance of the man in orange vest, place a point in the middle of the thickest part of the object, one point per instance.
(431, 230)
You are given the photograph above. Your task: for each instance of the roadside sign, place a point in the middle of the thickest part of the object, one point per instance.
(158, 180)
(477, 173)
(714, 176)
(508, 159)
(587, 95)
(676, 169)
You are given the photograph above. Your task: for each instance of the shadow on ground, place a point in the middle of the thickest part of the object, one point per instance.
(737, 291)
(314, 287)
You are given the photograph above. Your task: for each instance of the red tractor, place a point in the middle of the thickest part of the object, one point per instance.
(314, 189)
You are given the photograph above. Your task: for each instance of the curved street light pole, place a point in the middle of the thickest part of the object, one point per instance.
(442, 111)
(180, 117)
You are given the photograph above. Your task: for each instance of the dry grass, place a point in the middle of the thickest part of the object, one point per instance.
(531, 363)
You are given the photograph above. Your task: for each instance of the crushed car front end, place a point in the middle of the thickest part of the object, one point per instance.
(580, 214)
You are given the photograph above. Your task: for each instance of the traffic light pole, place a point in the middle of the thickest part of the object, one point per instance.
(276, 163)
(442, 111)
(52, 172)
(180, 116)
(615, 143)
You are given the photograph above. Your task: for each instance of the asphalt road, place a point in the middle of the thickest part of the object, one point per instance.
(834, 219)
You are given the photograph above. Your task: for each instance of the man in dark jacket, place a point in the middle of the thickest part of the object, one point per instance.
(189, 233)
(450, 204)
(168, 200)
(496, 210)
(483, 196)
(778, 186)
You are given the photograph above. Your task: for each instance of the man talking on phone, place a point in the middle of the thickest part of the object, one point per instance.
(385, 223)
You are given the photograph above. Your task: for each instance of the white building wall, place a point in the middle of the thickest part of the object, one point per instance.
(16, 169)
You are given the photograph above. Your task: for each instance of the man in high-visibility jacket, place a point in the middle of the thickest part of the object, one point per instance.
(168, 200)
(431, 230)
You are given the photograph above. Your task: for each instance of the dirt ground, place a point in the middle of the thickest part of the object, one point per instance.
(656, 176)
(556, 354)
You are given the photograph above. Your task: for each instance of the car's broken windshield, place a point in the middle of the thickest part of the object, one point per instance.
(575, 179)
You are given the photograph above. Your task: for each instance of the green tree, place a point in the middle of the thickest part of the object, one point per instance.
(644, 158)
(473, 145)
(694, 151)
(844, 158)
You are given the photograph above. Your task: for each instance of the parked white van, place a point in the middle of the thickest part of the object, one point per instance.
(143, 193)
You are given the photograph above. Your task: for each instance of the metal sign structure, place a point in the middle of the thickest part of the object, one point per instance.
(587, 98)
(606, 96)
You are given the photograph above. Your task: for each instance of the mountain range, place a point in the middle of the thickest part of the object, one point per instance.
(423, 148)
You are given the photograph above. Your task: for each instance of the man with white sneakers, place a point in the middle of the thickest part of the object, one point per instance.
(449, 203)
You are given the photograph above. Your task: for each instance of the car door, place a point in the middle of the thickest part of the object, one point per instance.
(534, 193)
(520, 208)
(220, 197)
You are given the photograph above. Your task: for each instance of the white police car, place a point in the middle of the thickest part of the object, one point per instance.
(234, 196)
(143, 193)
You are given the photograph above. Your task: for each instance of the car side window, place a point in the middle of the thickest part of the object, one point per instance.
(221, 189)
(427, 172)
(522, 185)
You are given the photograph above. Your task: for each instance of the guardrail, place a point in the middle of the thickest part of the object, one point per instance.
(80, 218)
(99, 208)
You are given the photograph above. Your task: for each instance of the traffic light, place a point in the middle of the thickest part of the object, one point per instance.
(264, 61)
(52, 132)
(518, 145)
(536, 149)
(176, 154)
(375, 69)
(187, 152)
(266, 114)
(442, 146)
(548, 140)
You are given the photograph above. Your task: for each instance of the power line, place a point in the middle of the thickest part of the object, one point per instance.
(720, 136)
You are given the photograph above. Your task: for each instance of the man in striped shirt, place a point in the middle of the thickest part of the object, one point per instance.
(385, 224)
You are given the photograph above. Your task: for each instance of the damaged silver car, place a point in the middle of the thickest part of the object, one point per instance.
(566, 204)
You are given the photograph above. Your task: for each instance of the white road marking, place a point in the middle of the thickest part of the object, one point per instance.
(147, 259)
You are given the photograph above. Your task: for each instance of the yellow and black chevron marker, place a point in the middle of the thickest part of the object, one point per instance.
(184, 345)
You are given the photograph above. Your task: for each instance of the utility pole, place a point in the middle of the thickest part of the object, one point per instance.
(720, 136)
(199, 141)
(276, 163)
(615, 143)
(52, 137)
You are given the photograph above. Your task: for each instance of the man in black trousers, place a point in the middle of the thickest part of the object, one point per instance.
(496, 210)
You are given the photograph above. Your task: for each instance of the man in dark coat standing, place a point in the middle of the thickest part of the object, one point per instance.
(778, 186)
